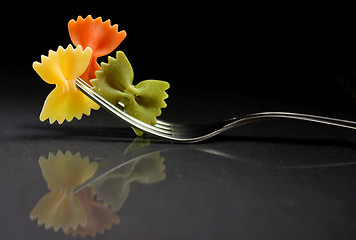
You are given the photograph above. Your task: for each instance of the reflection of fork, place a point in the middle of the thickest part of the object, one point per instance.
(143, 150)
(113, 189)
(199, 132)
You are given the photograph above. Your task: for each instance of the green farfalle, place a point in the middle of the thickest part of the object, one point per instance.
(142, 101)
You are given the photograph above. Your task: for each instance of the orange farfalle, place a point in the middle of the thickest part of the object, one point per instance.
(100, 36)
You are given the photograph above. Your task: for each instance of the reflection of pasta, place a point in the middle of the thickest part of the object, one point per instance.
(80, 213)
(114, 188)
(99, 216)
(60, 208)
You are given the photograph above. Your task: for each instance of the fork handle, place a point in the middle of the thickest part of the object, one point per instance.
(298, 116)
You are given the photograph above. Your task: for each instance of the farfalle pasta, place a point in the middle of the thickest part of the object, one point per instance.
(94, 38)
(142, 101)
(100, 36)
(62, 68)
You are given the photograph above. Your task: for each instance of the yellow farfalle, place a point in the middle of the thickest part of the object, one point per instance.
(62, 68)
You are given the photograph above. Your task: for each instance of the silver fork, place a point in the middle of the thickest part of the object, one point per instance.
(199, 132)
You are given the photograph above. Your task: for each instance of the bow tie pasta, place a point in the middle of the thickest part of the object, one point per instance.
(62, 68)
(112, 80)
(142, 101)
(100, 36)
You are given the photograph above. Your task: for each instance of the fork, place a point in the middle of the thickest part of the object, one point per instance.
(191, 133)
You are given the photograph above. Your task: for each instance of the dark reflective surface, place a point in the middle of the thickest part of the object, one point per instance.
(280, 179)
(92, 209)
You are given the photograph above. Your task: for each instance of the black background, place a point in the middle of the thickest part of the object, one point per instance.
(293, 55)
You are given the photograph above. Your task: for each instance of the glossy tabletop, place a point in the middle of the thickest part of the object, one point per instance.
(269, 180)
